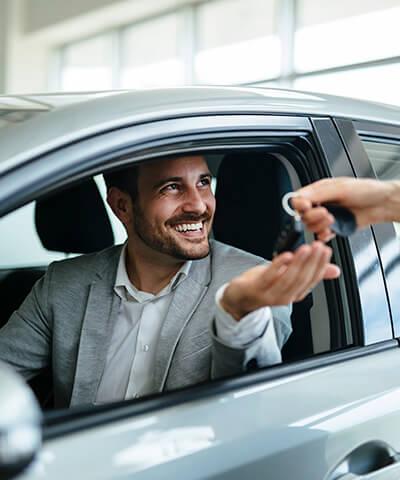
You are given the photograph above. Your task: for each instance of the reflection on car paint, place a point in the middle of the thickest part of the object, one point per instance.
(156, 447)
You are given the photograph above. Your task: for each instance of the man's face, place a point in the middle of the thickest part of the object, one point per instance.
(175, 206)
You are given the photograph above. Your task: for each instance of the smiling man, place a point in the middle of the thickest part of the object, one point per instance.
(167, 309)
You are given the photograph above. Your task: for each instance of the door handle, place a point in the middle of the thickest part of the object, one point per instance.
(373, 460)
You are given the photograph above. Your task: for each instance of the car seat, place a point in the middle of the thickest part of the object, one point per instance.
(74, 220)
(249, 216)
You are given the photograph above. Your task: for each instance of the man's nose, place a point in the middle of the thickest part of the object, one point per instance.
(194, 202)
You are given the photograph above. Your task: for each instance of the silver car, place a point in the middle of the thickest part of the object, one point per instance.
(331, 410)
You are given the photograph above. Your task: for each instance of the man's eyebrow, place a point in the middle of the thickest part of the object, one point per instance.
(167, 180)
(177, 179)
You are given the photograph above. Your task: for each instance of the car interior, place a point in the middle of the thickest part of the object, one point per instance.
(249, 216)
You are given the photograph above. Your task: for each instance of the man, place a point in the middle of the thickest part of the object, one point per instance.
(143, 318)
(371, 201)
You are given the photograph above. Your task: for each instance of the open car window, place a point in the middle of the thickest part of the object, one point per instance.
(248, 186)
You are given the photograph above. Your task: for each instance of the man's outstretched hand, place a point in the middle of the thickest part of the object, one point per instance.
(287, 279)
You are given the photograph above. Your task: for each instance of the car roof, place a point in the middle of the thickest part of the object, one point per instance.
(43, 122)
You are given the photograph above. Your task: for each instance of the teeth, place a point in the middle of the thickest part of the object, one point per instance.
(189, 226)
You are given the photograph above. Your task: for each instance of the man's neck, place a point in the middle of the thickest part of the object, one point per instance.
(147, 270)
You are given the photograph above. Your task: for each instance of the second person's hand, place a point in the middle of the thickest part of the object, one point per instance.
(371, 201)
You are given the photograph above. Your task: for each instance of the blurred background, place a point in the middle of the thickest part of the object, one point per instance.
(344, 47)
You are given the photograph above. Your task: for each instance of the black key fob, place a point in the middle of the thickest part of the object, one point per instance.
(290, 237)
(345, 221)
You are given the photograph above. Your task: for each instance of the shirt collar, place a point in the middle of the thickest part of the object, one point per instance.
(124, 288)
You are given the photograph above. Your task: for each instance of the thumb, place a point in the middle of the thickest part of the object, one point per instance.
(279, 263)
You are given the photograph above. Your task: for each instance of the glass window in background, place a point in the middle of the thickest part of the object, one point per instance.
(237, 42)
(378, 84)
(385, 160)
(20, 243)
(151, 55)
(343, 32)
(87, 65)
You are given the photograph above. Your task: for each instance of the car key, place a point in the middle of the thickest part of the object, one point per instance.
(290, 236)
(289, 239)
(345, 222)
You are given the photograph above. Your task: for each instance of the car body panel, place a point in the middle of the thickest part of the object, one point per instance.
(286, 428)
(69, 124)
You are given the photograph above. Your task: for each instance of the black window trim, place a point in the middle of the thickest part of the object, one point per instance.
(336, 140)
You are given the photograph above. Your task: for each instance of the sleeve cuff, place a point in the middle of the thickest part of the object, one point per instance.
(240, 334)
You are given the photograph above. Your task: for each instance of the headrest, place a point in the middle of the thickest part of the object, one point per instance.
(74, 220)
(249, 213)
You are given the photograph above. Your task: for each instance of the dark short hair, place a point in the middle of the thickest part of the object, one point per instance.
(125, 180)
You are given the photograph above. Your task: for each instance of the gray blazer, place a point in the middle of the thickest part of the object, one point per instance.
(67, 319)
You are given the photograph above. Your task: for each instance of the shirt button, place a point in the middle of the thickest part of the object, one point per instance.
(146, 348)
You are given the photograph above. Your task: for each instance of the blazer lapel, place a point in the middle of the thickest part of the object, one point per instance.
(100, 315)
(186, 298)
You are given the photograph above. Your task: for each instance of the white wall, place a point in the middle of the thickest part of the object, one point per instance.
(41, 14)
(35, 28)
(27, 59)
(3, 43)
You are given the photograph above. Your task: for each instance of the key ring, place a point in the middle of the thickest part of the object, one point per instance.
(286, 205)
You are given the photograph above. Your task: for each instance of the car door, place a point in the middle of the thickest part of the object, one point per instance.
(329, 416)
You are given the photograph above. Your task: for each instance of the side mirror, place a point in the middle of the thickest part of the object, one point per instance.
(20, 423)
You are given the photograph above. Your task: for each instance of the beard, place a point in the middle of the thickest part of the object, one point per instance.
(166, 242)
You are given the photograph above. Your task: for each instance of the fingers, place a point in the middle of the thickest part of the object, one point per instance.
(318, 220)
(331, 272)
(311, 270)
(277, 267)
(308, 267)
(301, 204)
(325, 190)
(317, 267)
(283, 288)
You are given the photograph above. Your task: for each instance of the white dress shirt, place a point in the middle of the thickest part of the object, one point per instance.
(129, 367)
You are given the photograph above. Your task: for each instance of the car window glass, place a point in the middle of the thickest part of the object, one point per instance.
(385, 160)
(117, 227)
(20, 243)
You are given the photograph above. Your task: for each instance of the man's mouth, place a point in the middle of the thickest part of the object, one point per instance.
(191, 230)
(189, 227)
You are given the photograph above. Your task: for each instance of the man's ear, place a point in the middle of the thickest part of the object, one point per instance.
(121, 204)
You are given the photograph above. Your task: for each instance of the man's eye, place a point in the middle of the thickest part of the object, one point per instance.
(170, 188)
(205, 181)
